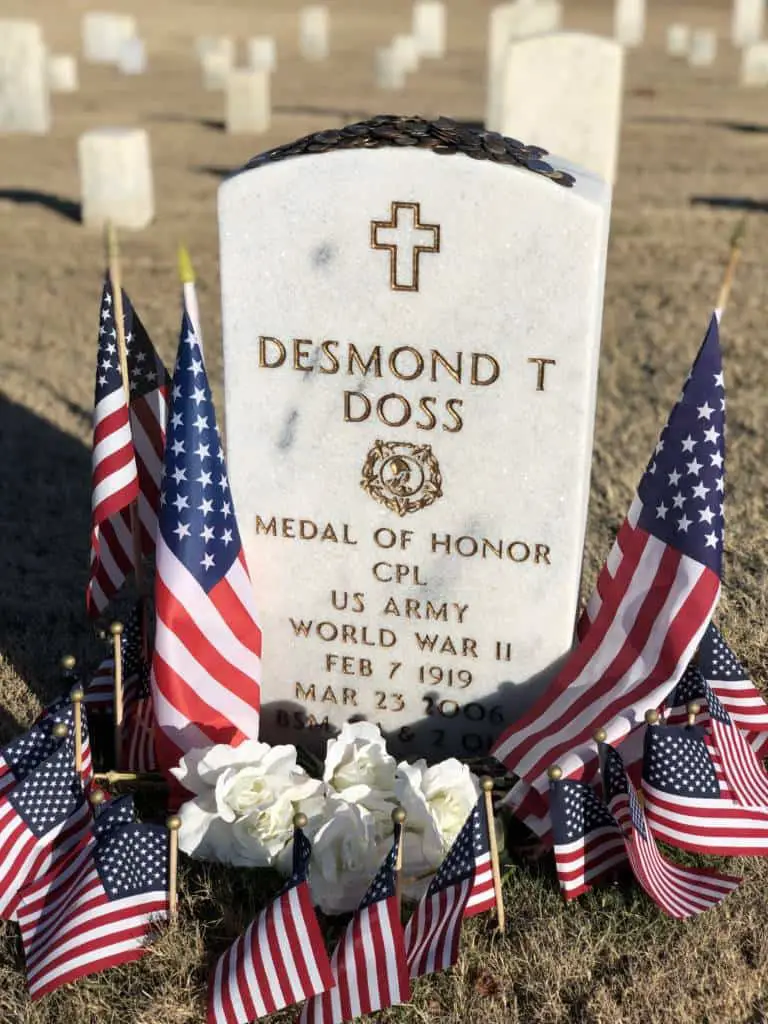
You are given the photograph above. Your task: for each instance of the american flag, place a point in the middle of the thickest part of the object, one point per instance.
(107, 816)
(125, 439)
(679, 891)
(369, 966)
(280, 959)
(100, 691)
(24, 754)
(97, 909)
(688, 801)
(743, 770)
(728, 678)
(663, 591)
(587, 840)
(42, 820)
(206, 669)
(462, 887)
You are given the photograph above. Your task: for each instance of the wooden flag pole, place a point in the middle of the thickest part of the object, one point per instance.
(398, 820)
(693, 708)
(77, 696)
(116, 629)
(733, 261)
(173, 824)
(113, 259)
(486, 783)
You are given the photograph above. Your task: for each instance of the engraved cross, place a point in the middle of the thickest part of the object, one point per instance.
(406, 238)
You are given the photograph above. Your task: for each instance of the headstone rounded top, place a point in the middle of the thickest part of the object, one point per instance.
(443, 136)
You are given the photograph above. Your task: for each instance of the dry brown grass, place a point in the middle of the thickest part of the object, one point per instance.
(611, 958)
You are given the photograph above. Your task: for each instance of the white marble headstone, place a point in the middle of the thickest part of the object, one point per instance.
(133, 57)
(248, 104)
(411, 346)
(24, 89)
(754, 64)
(508, 22)
(703, 49)
(429, 27)
(389, 72)
(217, 57)
(116, 178)
(104, 34)
(406, 53)
(62, 72)
(747, 20)
(564, 90)
(314, 32)
(678, 40)
(262, 53)
(629, 22)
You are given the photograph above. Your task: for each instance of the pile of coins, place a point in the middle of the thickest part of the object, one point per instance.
(442, 136)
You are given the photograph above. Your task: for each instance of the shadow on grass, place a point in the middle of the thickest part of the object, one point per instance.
(732, 203)
(44, 531)
(66, 208)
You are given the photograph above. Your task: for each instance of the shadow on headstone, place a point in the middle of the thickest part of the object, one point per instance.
(67, 208)
(44, 531)
(732, 203)
(214, 171)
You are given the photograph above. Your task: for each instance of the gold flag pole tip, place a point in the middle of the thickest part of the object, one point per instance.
(601, 736)
(60, 730)
(186, 270)
(116, 629)
(652, 717)
(97, 797)
(68, 662)
(693, 709)
(398, 816)
(555, 773)
(299, 820)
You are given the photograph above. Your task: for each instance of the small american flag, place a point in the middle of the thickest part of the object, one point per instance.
(280, 959)
(369, 966)
(100, 691)
(206, 669)
(679, 891)
(97, 909)
(660, 598)
(42, 820)
(141, 435)
(588, 842)
(114, 476)
(744, 772)
(107, 816)
(462, 887)
(688, 801)
(24, 754)
(730, 681)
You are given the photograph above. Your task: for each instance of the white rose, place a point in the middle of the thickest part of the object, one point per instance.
(437, 801)
(345, 856)
(358, 768)
(245, 801)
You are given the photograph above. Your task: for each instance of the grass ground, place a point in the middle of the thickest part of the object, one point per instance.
(690, 141)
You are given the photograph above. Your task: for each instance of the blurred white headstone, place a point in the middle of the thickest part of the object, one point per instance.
(754, 64)
(678, 40)
(314, 32)
(629, 22)
(116, 177)
(217, 57)
(104, 34)
(703, 48)
(388, 69)
(133, 57)
(62, 72)
(505, 23)
(747, 21)
(248, 109)
(24, 91)
(262, 53)
(563, 91)
(429, 27)
(406, 52)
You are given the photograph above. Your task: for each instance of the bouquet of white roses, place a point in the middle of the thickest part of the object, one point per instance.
(245, 799)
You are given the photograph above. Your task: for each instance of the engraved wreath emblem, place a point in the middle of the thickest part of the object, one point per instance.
(405, 477)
